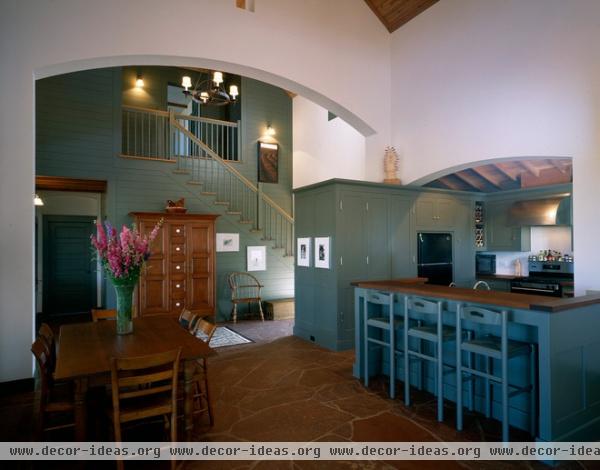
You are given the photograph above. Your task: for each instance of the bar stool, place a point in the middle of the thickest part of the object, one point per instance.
(493, 347)
(382, 322)
(434, 332)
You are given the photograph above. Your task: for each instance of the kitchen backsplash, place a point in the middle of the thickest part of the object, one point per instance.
(542, 238)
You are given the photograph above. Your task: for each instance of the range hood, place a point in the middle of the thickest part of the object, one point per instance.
(555, 210)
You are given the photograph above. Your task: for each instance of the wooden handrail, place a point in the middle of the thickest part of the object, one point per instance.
(188, 117)
(146, 110)
(230, 168)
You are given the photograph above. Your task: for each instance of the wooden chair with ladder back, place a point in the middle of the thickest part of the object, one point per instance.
(47, 335)
(188, 320)
(103, 314)
(51, 402)
(246, 289)
(201, 389)
(145, 387)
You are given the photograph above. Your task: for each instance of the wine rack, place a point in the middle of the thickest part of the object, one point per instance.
(479, 219)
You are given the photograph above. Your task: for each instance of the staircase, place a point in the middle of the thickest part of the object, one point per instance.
(204, 148)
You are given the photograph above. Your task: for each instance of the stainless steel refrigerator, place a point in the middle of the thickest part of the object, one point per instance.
(434, 257)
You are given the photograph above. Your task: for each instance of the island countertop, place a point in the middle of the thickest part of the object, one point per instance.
(504, 299)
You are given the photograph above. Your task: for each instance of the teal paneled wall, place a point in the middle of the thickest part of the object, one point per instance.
(78, 135)
(263, 104)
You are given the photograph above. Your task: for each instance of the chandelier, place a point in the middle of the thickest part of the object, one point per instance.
(210, 92)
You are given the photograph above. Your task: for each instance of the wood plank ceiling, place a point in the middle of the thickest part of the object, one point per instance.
(395, 13)
(503, 176)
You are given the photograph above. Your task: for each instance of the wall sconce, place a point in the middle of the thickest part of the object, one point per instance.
(270, 131)
(37, 201)
(139, 81)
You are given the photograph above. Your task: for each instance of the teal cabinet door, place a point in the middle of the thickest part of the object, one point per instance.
(352, 246)
(400, 238)
(445, 213)
(378, 250)
(435, 213)
(425, 213)
(502, 236)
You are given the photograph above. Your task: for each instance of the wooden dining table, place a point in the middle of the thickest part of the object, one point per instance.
(85, 350)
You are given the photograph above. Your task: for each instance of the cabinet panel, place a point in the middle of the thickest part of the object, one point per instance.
(153, 294)
(353, 238)
(501, 235)
(425, 213)
(400, 239)
(378, 249)
(445, 213)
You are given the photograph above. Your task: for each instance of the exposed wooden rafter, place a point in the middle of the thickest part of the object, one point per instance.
(530, 167)
(395, 13)
(488, 175)
(508, 171)
(474, 179)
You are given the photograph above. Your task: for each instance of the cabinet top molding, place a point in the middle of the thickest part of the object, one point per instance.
(187, 215)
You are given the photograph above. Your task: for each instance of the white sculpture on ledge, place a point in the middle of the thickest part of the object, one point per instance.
(390, 166)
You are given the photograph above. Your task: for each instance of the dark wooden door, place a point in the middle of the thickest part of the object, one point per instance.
(69, 284)
(154, 283)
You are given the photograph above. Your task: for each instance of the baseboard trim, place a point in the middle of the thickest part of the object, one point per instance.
(17, 386)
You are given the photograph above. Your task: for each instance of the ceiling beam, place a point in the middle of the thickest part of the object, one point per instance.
(446, 181)
(473, 179)
(488, 175)
(505, 170)
(535, 171)
(560, 165)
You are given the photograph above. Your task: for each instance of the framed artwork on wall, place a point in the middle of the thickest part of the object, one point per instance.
(303, 252)
(228, 242)
(268, 162)
(322, 252)
(257, 258)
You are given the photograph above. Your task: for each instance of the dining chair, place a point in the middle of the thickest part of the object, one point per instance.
(493, 347)
(188, 320)
(201, 389)
(47, 335)
(51, 402)
(245, 288)
(145, 387)
(103, 314)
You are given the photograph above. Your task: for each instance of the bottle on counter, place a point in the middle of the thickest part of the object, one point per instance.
(518, 269)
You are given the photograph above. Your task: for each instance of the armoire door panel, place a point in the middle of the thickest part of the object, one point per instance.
(201, 265)
(153, 296)
(200, 238)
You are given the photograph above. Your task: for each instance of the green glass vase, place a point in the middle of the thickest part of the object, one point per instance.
(124, 290)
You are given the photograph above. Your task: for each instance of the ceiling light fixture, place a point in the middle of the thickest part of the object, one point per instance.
(210, 92)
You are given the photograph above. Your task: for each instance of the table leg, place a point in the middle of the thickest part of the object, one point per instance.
(81, 386)
(188, 375)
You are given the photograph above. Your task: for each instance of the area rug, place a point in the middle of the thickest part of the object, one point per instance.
(224, 336)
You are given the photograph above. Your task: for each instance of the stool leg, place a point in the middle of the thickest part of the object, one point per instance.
(488, 388)
(392, 369)
(505, 436)
(440, 380)
(406, 358)
(420, 364)
(470, 362)
(459, 384)
(366, 343)
(534, 391)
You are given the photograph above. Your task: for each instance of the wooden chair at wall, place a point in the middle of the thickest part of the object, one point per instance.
(145, 387)
(245, 288)
(49, 402)
(202, 402)
(103, 314)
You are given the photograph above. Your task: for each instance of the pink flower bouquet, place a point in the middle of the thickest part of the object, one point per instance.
(123, 254)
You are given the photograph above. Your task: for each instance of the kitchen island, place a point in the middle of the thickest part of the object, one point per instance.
(567, 332)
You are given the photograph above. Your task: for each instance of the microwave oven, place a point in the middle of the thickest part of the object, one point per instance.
(485, 264)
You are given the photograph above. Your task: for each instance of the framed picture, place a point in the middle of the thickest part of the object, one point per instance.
(257, 258)
(303, 252)
(228, 242)
(268, 162)
(322, 252)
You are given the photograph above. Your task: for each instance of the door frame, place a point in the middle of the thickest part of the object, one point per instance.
(46, 219)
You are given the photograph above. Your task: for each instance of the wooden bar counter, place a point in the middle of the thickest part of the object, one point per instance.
(567, 332)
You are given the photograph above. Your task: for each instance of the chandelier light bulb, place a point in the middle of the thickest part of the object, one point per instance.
(186, 82)
(218, 78)
(233, 91)
(204, 96)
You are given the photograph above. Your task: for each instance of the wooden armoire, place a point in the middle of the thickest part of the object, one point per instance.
(181, 270)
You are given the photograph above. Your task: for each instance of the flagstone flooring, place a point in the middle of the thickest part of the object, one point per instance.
(282, 388)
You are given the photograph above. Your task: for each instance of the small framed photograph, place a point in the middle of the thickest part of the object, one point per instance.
(257, 258)
(322, 252)
(268, 163)
(303, 252)
(228, 242)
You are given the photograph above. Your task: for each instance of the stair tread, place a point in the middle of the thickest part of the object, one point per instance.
(233, 212)
(181, 172)
(197, 183)
(221, 203)
(208, 193)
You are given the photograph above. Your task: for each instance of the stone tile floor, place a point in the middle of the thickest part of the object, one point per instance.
(282, 388)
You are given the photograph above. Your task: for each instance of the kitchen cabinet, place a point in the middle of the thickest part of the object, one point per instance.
(501, 235)
(435, 213)
(501, 285)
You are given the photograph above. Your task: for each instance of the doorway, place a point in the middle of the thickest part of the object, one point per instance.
(69, 280)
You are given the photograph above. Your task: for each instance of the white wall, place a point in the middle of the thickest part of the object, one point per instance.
(475, 80)
(325, 51)
(324, 149)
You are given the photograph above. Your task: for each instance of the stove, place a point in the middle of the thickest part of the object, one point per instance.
(549, 278)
